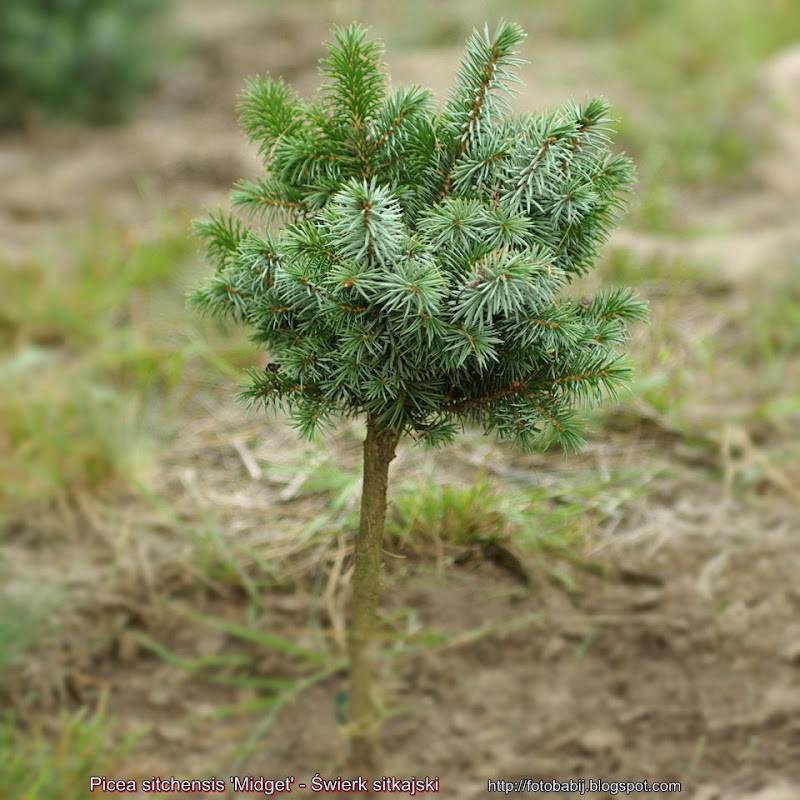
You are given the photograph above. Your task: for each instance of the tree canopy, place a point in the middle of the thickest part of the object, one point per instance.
(417, 279)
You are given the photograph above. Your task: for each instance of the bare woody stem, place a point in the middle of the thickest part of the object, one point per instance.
(379, 450)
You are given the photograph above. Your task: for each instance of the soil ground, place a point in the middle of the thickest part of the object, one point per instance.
(677, 659)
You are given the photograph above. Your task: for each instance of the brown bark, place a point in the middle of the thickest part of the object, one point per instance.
(379, 450)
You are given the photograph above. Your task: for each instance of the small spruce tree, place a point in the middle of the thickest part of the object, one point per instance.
(416, 283)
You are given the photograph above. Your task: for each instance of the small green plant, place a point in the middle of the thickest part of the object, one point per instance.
(447, 514)
(417, 283)
(546, 526)
(81, 59)
(36, 767)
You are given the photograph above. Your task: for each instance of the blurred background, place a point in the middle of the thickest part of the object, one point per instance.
(174, 572)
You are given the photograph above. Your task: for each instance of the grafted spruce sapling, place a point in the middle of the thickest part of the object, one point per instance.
(416, 281)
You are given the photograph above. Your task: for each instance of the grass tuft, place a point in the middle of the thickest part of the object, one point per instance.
(36, 766)
(549, 528)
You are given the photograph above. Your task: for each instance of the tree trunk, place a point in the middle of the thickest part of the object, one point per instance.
(379, 450)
